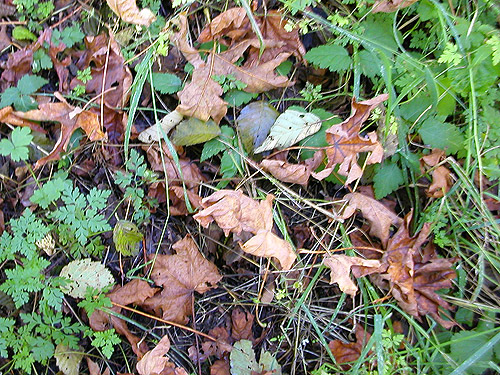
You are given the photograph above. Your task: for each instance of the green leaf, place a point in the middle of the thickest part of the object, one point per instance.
(166, 83)
(85, 273)
(126, 237)
(68, 360)
(9, 96)
(464, 344)
(379, 31)
(284, 68)
(229, 164)
(242, 359)
(290, 127)
(41, 61)
(369, 63)
(25, 103)
(331, 56)
(69, 36)
(268, 363)
(254, 122)
(193, 131)
(22, 33)
(17, 146)
(30, 84)
(442, 135)
(106, 340)
(387, 179)
(215, 146)
(236, 98)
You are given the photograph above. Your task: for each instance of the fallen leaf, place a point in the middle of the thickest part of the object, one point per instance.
(128, 11)
(135, 292)
(293, 173)
(154, 361)
(219, 348)
(155, 133)
(233, 23)
(201, 97)
(180, 275)
(241, 325)
(193, 131)
(388, 6)
(441, 176)
(4, 38)
(351, 351)
(340, 268)
(68, 360)
(346, 142)
(220, 367)
(94, 368)
(18, 64)
(235, 212)
(70, 118)
(8, 116)
(267, 244)
(111, 78)
(254, 122)
(380, 217)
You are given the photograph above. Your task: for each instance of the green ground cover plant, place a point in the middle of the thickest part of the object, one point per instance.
(292, 187)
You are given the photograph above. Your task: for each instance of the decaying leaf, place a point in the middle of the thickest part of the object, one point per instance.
(380, 217)
(128, 11)
(181, 275)
(94, 368)
(293, 173)
(351, 351)
(441, 176)
(68, 360)
(85, 273)
(254, 122)
(154, 362)
(388, 6)
(340, 268)
(201, 97)
(8, 116)
(346, 143)
(267, 244)
(70, 118)
(235, 212)
(155, 133)
(290, 127)
(415, 274)
(135, 292)
(241, 325)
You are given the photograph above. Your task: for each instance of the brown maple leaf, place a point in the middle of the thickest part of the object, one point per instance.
(340, 267)
(201, 97)
(380, 217)
(293, 173)
(350, 351)
(70, 118)
(346, 142)
(388, 6)
(134, 292)
(180, 275)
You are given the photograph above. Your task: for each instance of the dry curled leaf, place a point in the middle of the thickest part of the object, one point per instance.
(340, 267)
(154, 362)
(94, 368)
(267, 244)
(380, 217)
(70, 118)
(441, 176)
(388, 6)
(134, 292)
(346, 142)
(235, 212)
(201, 97)
(181, 275)
(128, 11)
(293, 173)
(241, 325)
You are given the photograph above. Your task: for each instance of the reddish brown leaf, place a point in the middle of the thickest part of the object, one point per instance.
(154, 362)
(70, 118)
(220, 367)
(241, 325)
(233, 23)
(388, 6)
(340, 268)
(441, 176)
(350, 352)
(379, 216)
(201, 97)
(8, 116)
(134, 292)
(293, 173)
(346, 142)
(94, 368)
(18, 64)
(181, 275)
